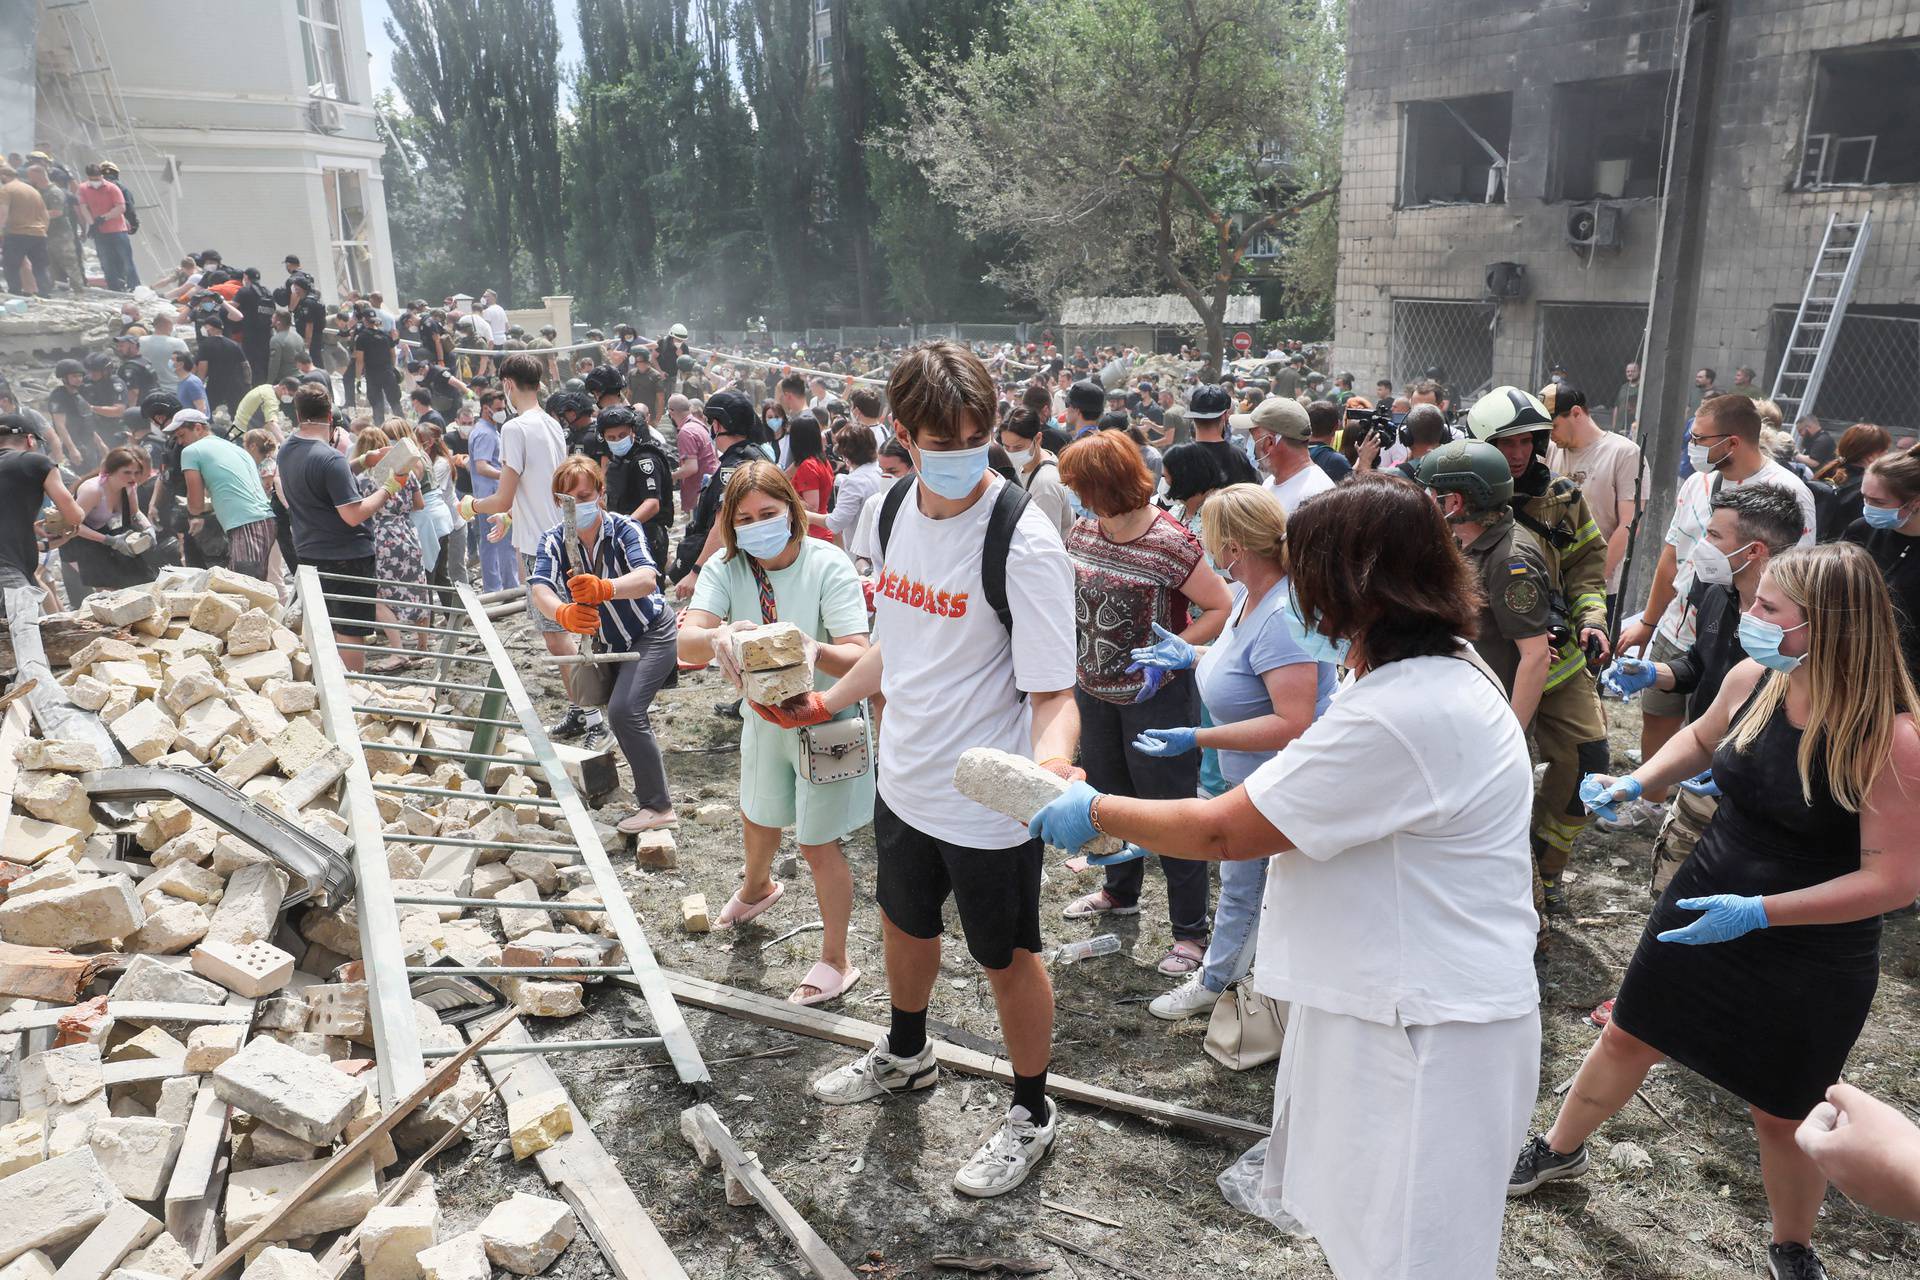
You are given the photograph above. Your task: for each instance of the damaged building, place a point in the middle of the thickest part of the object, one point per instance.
(1501, 203)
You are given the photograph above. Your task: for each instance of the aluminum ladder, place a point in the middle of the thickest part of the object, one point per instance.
(1803, 365)
(503, 704)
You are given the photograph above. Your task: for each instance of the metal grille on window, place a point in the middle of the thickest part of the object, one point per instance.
(1594, 343)
(1453, 338)
(1873, 373)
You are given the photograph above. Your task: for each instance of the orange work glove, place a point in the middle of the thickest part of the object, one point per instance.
(795, 713)
(581, 619)
(587, 589)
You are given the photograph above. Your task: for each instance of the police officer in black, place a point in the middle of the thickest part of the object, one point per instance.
(738, 433)
(639, 477)
(137, 377)
(444, 391)
(254, 302)
(574, 412)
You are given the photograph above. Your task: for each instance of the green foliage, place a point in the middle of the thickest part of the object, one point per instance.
(950, 159)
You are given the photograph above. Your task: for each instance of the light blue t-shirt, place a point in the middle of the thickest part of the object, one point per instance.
(232, 481)
(1231, 669)
(483, 445)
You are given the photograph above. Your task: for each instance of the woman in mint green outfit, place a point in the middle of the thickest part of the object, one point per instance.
(772, 572)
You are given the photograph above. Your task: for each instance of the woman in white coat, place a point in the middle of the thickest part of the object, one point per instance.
(1398, 919)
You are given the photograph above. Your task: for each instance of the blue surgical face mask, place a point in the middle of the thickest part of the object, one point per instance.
(1761, 639)
(1881, 517)
(764, 539)
(620, 448)
(953, 473)
(1318, 647)
(776, 423)
(585, 513)
(1080, 510)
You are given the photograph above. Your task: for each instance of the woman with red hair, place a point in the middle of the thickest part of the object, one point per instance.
(1136, 569)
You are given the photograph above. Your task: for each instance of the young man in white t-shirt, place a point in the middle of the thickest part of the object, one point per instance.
(532, 447)
(1725, 453)
(1279, 428)
(954, 678)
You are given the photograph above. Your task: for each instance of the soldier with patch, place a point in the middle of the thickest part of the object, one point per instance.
(1569, 730)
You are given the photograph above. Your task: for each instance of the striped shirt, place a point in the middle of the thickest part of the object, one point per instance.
(620, 549)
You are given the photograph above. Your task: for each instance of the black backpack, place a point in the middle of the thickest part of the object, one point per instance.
(1009, 504)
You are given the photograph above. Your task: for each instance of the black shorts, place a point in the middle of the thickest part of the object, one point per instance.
(350, 617)
(997, 891)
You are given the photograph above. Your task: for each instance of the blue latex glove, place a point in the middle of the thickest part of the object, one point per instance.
(1600, 797)
(1169, 652)
(1726, 916)
(1165, 742)
(1127, 854)
(1625, 677)
(1153, 678)
(1067, 822)
(1701, 784)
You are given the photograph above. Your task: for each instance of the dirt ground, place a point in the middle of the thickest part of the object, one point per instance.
(876, 1181)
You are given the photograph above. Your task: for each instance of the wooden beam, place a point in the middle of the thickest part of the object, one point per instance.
(47, 973)
(436, 1080)
(820, 1260)
(580, 1169)
(193, 1182)
(855, 1033)
(130, 1011)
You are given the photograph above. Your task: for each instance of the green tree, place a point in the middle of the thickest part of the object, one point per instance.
(1118, 143)
(481, 79)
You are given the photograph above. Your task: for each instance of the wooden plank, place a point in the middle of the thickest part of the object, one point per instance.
(580, 1169)
(820, 1260)
(141, 1070)
(340, 1160)
(199, 1151)
(196, 1223)
(131, 1011)
(125, 1228)
(853, 1032)
(47, 973)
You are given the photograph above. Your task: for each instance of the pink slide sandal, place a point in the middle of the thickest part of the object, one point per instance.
(828, 983)
(738, 912)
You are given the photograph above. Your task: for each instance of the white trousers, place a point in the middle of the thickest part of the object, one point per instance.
(1392, 1145)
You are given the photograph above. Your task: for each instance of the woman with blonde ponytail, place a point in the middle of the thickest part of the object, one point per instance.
(1760, 962)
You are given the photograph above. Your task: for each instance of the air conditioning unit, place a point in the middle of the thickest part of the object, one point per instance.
(1506, 280)
(1595, 226)
(325, 116)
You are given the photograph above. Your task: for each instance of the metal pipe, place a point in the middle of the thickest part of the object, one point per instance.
(589, 659)
(440, 753)
(430, 684)
(468, 842)
(397, 713)
(552, 1046)
(426, 630)
(429, 900)
(404, 604)
(517, 970)
(425, 654)
(395, 788)
(388, 582)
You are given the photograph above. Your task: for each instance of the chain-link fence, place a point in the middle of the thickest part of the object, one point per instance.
(1594, 343)
(1873, 372)
(1454, 338)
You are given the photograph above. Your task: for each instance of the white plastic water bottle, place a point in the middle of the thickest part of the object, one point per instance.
(1086, 949)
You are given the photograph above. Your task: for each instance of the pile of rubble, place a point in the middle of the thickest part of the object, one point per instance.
(213, 1049)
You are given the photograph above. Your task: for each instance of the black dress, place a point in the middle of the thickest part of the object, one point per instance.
(1770, 1016)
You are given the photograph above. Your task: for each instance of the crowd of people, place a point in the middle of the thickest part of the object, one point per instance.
(1215, 609)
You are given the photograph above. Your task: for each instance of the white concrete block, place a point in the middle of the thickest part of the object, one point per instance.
(53, 1203)
(526, 1233)
(289, 1090)
(94, 911)
(138, 1154)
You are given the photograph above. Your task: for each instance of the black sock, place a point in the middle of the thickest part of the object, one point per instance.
(1031, 1092)
(907, 1034)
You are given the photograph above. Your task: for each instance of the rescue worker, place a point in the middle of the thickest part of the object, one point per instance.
(639, 478)
(1569, 731)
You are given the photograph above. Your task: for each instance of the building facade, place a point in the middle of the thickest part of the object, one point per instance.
(1480, 133)
(245, 126)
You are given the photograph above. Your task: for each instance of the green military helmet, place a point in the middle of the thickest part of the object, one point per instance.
(1507, 411)
(1472, 468)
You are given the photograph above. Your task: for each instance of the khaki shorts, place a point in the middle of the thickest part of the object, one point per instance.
(1655, 702)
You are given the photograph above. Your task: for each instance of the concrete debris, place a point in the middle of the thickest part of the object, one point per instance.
(527, 1233)
(461, 1257)
(287, 1089)
(392, 1239)
(252, 1194)
(53, 1202)
(137, 1153)
(537, 1121)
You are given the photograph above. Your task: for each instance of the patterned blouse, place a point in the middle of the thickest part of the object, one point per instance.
(1120, 590)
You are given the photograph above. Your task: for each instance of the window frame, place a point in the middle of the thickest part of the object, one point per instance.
(342, 250)
(1403, 171)
(314, 46)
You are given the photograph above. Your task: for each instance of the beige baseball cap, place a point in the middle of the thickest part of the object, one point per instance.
(1280, 415)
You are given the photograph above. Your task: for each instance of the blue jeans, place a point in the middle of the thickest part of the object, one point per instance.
(1236, 923)
(499, 565)
(116, 259)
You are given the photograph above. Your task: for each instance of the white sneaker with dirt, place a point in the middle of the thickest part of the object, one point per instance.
(1008, 1155)
(1097, 903)
(1184, 1001)
(876, 1074)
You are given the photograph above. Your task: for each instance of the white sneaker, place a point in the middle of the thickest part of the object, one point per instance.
(1183, 1001)
(1633, 813)
(1008, 1155)
(878, 1073)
